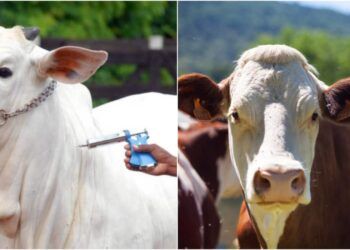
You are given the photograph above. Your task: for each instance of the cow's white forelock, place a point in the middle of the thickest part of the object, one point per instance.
(275, 92)
(275, 54)
(15, 36)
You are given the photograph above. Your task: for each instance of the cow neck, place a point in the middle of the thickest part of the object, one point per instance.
(40, 158)
(330, 198)
(32, 104)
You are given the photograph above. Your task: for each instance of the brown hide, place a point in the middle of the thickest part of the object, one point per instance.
(189, 220)
(325, 222)
(198, 227)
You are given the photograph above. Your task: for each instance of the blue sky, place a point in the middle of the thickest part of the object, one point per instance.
(340, 6)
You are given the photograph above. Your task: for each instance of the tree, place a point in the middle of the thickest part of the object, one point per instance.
(96, 20)
(93, 20)
(330, 54)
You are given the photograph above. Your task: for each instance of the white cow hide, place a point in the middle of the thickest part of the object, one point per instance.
(54, 194)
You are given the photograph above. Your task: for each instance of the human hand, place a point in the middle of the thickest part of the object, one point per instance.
(167, 163)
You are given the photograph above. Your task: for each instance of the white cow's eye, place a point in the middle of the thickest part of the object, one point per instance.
(5, 72)
(314, 116)
(235, 116)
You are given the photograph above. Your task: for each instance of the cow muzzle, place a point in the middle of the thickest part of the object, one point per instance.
(277, 184)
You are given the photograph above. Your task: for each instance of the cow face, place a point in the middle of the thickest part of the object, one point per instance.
(26, 68)
(272, 102)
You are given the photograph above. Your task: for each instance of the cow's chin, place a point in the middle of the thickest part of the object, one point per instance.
(270, 219)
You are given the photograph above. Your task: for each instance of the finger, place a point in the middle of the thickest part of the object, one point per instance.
(145, 170)
(145, 147)
(128, 166)
(126, 162)
(148, 170)
(127, 147)
(128, 154)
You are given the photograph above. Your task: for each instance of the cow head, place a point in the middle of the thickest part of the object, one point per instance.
(272, 101)
(25, 69)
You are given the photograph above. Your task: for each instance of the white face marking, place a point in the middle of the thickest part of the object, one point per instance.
(275, 104)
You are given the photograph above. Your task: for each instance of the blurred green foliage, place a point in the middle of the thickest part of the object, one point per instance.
(99, 101)
(112, 75)
(95, 20)
(328, 53)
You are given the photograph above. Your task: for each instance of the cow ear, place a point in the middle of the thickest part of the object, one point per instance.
(201, 97)
(335, 101)
(71, 64)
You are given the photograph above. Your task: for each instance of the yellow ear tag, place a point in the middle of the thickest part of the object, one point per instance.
(200, 112)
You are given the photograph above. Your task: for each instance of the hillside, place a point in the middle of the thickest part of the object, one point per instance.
(213, 34)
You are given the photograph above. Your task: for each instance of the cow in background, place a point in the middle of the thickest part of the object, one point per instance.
(199, 222)
(205, 145)
(205, 177)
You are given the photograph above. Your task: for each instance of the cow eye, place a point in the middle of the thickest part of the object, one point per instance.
(235, 115)
(314, 116)
(5, 72)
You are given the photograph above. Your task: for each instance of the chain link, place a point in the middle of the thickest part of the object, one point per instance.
(4, 116)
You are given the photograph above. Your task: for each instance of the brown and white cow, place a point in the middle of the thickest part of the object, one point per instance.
(205, 145)
(276, 107)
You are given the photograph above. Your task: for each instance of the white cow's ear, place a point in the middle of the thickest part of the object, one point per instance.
(71, 64)
(202, 98)
(335, 101)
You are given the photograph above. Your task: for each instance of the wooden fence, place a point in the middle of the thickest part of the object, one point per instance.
(135, 52)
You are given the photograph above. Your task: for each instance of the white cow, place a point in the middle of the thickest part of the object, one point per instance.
(54, 194)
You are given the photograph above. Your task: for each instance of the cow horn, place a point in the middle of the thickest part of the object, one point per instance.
(31, 32)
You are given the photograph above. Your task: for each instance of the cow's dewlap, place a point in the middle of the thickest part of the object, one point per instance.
(271, 220)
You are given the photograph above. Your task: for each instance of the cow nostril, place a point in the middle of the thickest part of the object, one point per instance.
(298, 184)
(261, 184)
(295, 183)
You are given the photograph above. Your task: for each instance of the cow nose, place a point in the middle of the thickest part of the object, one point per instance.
(279, 185)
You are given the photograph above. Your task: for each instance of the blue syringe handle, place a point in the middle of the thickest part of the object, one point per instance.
(139, 159)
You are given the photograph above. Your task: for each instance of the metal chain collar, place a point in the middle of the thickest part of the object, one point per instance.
(4, 116)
